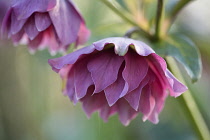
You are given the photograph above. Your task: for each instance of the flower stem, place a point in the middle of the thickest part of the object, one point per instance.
(190, 105)
(159, 14)
(124, 16)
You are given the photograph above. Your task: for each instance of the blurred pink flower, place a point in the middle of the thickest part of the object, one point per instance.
(118, 75)
(45, 23)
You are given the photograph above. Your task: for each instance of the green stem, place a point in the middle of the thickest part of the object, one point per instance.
(190, 105)
(124, 16)
(159, 14)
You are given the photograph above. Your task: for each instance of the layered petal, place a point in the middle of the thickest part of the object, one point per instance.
(42, 21)
(114, 91)
(104, 69)
(82, 78)
(136, 68)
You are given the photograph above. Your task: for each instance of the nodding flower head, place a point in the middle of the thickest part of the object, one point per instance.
(118, 75)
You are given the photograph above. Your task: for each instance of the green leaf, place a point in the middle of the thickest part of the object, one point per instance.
(184, 51)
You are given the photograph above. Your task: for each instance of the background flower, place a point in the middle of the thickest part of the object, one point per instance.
(45, 23)
(118, 75)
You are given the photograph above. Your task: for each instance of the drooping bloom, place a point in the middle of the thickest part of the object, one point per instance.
(45, 23)
(118, 75)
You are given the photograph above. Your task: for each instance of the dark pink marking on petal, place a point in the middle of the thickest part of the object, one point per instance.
(30, 28)
(136, 68)
(42, 21)
(104, 69)
(82, 78)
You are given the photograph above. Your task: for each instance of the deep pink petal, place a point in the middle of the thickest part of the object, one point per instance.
(104, 69)
(58, 63)
(42, 21)
(25, 8)
(30, 28)
(114, 91)
(66, 21)
(106, 111)
(82, 78)
(136, 68)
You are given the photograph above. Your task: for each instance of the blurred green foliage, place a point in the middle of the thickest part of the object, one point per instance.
(32, 106)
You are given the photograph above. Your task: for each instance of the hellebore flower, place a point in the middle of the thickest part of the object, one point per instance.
(45, 23)
(118, 75)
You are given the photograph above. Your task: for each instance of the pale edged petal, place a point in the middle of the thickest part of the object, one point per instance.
(30, 28)
(104, 69)
(114, 91)
(58, 63)
(42, 21)
(136, 68)
(125, 111)
(176, 85)
(82, 78)
(122, 45)
(66, 21)
(25, 8)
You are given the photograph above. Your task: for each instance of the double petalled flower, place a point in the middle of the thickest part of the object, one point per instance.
(118, 75)
(45, 23)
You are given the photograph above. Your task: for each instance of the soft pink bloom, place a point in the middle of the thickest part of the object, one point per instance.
(45, 23)
(118, 75)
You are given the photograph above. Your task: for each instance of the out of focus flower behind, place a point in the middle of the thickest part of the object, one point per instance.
(52, 24)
